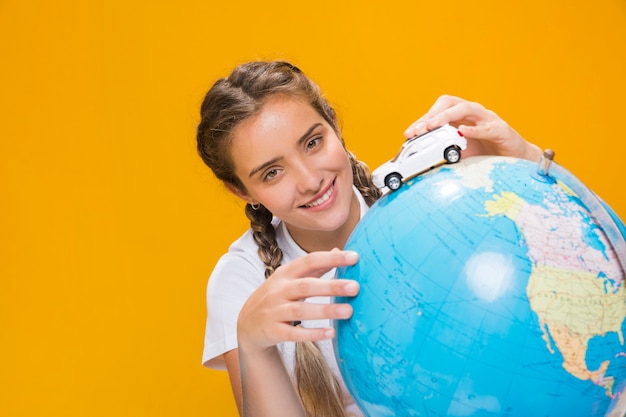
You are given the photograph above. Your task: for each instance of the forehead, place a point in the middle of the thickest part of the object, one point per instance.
(278, 115)
(271, 132)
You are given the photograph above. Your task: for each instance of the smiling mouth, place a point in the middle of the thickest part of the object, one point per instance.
(323, 198)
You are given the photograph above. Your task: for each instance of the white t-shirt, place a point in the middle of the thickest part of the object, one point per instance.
(237, 274)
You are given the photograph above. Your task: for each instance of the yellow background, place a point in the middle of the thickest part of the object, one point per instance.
(109, 222)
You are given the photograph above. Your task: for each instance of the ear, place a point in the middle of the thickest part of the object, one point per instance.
(239, 193)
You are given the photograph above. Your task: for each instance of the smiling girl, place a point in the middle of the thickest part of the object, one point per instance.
(270, 136)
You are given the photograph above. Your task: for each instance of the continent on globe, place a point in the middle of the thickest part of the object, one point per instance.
(569, 278)
(486, 290)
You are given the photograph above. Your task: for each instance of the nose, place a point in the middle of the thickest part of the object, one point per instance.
(309, 178)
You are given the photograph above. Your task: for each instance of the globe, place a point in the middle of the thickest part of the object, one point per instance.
(490, 287)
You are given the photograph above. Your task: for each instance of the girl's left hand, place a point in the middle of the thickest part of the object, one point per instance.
(486, 132)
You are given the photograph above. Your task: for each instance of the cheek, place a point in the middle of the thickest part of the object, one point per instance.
(277, 197)
(344, 161)
(338, 157)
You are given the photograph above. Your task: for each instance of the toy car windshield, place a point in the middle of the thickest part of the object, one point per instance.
(421, 153)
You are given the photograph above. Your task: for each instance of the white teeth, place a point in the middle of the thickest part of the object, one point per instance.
(323, 198)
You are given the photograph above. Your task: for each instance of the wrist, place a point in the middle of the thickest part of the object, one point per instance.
(257, 352)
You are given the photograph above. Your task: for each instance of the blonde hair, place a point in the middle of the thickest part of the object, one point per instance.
(230, 101)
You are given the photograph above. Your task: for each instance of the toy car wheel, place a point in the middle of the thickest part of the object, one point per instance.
(452, 155)
(393, 181)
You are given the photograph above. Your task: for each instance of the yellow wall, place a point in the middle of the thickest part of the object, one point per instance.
(110, 224)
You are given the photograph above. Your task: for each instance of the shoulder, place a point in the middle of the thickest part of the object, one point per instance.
(241, 265)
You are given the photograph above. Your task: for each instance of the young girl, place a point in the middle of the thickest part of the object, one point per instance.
(270, 136)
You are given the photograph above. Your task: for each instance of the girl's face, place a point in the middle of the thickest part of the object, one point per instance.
(291, 160)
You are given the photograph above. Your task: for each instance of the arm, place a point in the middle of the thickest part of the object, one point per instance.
(266, 386)
(486, 132)
(271, 374)
(232, 366)
(266, 320)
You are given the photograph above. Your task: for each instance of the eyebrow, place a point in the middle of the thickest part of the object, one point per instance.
(278, 158)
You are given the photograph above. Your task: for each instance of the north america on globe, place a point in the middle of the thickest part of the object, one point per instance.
(575, 286)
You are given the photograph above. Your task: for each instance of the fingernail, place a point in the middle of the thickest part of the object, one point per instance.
(344, 311)
(415, 130)
(352, 287)
(351, 256)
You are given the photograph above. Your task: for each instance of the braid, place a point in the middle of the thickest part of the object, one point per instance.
(363, 180)
(318, 388)
(264, 235)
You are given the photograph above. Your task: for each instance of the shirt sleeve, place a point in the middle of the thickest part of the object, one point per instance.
(237, 274)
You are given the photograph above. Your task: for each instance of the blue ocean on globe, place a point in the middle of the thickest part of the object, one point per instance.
(487, 289)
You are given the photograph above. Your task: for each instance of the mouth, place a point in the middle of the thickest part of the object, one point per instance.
(323, 198)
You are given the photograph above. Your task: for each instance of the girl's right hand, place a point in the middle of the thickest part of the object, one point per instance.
(267, 317)
(486, 132)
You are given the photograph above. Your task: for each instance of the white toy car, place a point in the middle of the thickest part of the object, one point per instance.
(421, 153)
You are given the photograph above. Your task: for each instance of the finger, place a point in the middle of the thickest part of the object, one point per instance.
(316, 264)
(483, 131)
(306, 334)
(442, 103)
(304, 311)
(417, 128)
(314, 287)
(461, 113)
(498, 138)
